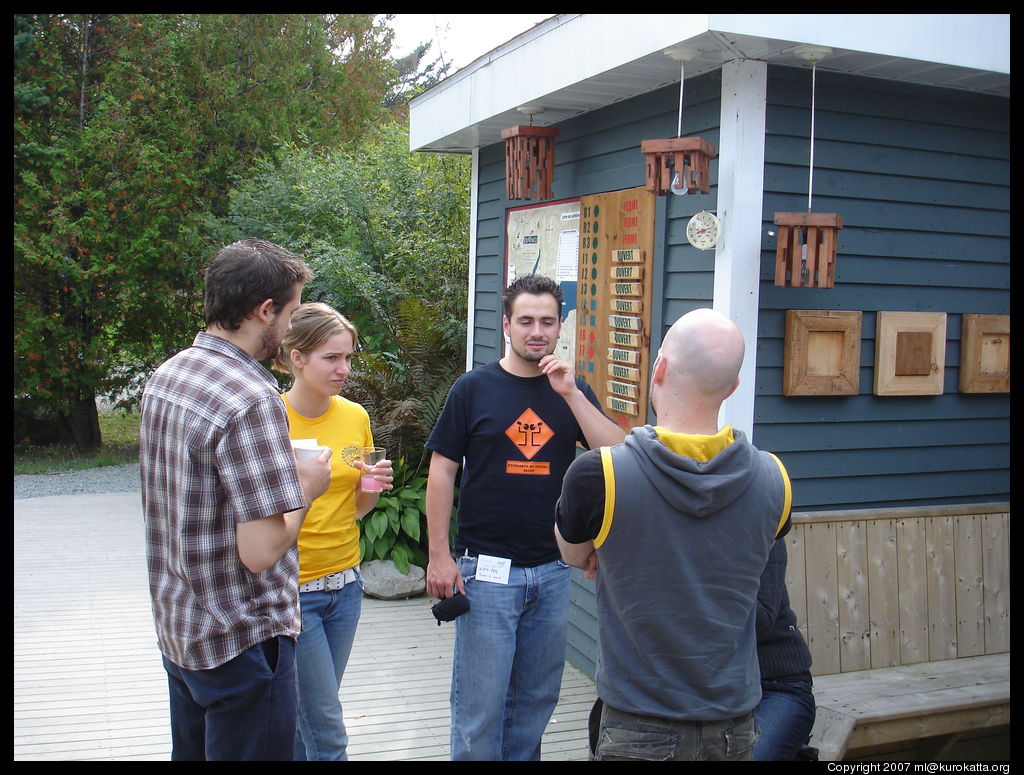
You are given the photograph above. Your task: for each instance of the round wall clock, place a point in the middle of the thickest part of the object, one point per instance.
(704, 230)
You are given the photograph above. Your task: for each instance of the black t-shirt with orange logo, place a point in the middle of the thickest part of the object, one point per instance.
(515, 437)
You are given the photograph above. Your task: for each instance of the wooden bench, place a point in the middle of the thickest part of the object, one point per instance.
(906, 614)
(936, 701)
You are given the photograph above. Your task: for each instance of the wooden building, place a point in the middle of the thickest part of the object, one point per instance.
(885, 391)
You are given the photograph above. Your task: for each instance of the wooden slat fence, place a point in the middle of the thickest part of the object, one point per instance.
(876, 588)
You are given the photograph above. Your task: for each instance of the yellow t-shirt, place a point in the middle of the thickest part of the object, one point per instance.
(329, 539)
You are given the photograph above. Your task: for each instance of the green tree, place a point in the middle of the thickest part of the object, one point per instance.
(378, 224)
(103, 210)
(403, 389)
(260, 80)
(129, 129)
(416, 72)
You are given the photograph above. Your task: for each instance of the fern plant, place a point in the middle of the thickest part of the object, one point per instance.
(404, 392)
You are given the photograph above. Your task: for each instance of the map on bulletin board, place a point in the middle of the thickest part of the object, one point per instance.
(545, 239)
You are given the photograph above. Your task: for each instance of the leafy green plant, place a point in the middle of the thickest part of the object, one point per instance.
(397, 528)
(376, 223)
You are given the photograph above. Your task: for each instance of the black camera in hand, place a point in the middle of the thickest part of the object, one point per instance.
(450, 608)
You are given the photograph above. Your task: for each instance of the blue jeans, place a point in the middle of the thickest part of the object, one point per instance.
(329, 621)
(243, 710)
(626, 736)
(507, 668)
(785, 716)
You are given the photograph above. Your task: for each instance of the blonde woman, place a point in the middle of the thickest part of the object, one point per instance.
(317, 351)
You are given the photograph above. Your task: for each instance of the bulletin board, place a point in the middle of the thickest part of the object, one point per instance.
(613, 331)
(599, 248)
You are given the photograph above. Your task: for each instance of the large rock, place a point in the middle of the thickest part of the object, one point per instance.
(382, 580)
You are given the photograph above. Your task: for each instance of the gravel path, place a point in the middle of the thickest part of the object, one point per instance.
(92, 480)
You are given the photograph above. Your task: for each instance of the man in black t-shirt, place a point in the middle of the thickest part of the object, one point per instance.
(515, 423)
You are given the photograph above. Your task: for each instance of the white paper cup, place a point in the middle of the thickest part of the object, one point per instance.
(306, 449)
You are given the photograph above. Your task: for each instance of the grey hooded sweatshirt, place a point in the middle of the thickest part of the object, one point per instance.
(678, 575)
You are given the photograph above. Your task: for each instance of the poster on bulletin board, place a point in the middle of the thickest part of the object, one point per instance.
(599, 248)
(544, 239)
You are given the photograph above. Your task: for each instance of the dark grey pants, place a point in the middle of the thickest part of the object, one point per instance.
(622, 736)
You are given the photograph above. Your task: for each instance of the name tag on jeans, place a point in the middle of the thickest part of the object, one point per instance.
(492, 569)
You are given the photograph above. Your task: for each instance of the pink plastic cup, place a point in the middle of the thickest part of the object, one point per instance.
(371, 457)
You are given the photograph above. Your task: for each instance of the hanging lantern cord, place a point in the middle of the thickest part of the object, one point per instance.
(810, 170)
(682, 77)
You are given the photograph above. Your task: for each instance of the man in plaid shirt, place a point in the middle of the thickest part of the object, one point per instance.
(223, 499)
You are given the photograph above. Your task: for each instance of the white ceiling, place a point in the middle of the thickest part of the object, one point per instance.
(655, 70)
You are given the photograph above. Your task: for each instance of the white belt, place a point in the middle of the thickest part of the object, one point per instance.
(331, 582)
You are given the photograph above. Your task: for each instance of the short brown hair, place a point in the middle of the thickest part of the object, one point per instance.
(535, 285)
(312, 325)
(247, 273)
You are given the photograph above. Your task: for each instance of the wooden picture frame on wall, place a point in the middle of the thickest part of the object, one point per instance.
(910, 353)
(985, 353)
(822, 353)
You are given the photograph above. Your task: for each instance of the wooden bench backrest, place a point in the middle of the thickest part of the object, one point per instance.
(876, 588)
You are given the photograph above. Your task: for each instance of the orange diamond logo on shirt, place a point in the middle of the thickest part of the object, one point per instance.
(529, 433)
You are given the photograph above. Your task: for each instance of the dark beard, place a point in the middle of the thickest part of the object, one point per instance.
(532, 357)
(270, 344)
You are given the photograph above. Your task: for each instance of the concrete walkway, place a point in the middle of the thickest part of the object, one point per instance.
(88, 681)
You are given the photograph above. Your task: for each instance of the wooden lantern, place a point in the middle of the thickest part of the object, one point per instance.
(806, 253)
(529, 161)
(687, 156)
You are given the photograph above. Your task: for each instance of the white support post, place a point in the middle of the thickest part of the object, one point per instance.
(474, 196)
(740, 198)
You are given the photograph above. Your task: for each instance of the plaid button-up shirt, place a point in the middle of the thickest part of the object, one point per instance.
(214, 451)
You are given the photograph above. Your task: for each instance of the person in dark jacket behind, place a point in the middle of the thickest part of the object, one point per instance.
(785, 714)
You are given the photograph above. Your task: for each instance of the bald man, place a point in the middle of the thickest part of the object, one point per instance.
(676, 524)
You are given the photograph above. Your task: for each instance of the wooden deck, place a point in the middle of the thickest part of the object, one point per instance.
(89, 685)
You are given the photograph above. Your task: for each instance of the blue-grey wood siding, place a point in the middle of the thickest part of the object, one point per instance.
(921, 178)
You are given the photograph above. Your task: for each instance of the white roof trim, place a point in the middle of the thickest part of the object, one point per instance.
(573, 63)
